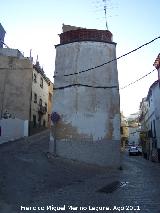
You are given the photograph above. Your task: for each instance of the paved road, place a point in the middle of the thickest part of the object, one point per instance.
(32, 182)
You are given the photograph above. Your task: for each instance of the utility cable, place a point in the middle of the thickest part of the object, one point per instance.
(4, 44)
(103, 87)
(85, 85)
(115, 59)
(137, 80)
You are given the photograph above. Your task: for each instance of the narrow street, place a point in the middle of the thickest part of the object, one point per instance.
(31, 178)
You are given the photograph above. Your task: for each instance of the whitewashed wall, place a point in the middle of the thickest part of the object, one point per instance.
(89, 116)
(42, 93)
(12, 129)
(154, 111)
(134, 136)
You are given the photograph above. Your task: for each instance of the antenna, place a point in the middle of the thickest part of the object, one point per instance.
(37, 58)
(105, 12)
(30, 55)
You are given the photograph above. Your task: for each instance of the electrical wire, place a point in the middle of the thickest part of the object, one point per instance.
(85, 85)
(92, 68)
(4, 43)
(137, 80)
(115, 59)
(103, 87)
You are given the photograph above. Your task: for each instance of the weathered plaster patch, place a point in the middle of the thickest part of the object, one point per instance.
(83, 125)
(116, 127)
(86, 112)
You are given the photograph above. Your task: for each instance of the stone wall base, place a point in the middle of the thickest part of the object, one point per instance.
(106, 153)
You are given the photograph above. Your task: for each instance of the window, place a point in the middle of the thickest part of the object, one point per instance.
(121, 130)
(35, 78)
(41, 82)
(44, 123)
(46, 106)
(154, 143)
(34, 120)
(150, 133)
(154, 128)
(40, 102)
(35, 98)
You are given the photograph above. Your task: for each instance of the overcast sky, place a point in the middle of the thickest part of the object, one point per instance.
(36, 24)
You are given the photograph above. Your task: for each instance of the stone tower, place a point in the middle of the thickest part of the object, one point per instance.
(89, 125)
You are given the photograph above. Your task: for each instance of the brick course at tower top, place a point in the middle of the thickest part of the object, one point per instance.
(85, 35)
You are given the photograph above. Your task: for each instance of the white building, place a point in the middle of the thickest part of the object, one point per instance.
(25, 93)
(134, 139)
(24, 90)
(89, 128)
(143, 114)
(124, 131)
(153, 121)
(40, 107)
(150, 119)
(2, 35)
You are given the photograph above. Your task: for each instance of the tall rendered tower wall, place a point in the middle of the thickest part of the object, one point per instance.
(89, 125)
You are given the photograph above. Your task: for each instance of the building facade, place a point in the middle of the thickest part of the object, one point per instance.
(124, 131)
(2, 35)
(50, 102)
(24, 90)
(143, 119)
(15, 86)
(134, 135)
(39, 101)
(150, 119)
(89, 125)
(153, 122)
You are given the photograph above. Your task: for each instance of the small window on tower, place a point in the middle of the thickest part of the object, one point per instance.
(46, 106)
(35, 98)
(40, 102)
(41, 82)
(121, 129)
(35, 78)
